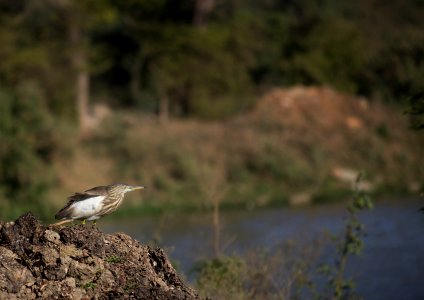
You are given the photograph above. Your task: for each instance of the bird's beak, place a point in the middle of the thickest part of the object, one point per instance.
(137, 187)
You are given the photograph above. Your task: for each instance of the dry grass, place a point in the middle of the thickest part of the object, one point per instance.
(284, 273)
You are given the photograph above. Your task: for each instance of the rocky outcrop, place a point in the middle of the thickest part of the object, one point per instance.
(81, 262)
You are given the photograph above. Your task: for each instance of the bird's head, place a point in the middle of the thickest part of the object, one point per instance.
(124, 188)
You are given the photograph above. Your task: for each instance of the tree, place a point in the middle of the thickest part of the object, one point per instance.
(80, 19)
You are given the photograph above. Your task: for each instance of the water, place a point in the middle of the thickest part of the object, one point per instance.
(390, 267)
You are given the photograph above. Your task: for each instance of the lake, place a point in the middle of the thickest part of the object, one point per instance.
(391, 265)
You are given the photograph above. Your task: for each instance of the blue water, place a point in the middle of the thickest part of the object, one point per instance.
(391, 265)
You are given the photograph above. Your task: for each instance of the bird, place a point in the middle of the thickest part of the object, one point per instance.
(94, 203)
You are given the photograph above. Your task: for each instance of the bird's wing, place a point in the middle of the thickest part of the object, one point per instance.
(77, 197)
(97, 191)
(94, 192)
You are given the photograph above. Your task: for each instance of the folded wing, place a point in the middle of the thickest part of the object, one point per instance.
(84, 204)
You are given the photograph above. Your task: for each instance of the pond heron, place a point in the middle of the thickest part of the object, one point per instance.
(94, 203)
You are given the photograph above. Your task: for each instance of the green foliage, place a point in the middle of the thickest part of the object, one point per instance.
(34, 50)
(113, 259)
(89, 285)
(331, 190)
(332, 53)
(143, 51)
(221, 85)
(214, 71)
(27, 143)
(383, 131)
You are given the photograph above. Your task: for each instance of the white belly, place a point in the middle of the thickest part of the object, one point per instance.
(87, 209)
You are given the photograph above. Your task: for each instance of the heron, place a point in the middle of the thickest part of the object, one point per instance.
(94, 203)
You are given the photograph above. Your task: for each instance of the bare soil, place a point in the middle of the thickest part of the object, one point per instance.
(81, 262)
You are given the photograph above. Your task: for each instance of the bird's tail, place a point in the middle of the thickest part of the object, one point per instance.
(64, 213)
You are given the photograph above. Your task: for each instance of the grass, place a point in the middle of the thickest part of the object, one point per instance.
(113, 259)
(89, 285)
(129, 286)
(259, 273)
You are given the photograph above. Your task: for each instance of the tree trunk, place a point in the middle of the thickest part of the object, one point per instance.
(216, 228)
(163, 112)
(202, 9)
(135, 86)
(82, 78)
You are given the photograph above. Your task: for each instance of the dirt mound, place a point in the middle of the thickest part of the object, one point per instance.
(81, 262)
(317, 106)
(334, 132)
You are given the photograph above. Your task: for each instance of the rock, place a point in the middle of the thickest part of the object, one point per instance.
(350, 176)
(81, 262)
(353, 123)
(52, 236)
(301, 198)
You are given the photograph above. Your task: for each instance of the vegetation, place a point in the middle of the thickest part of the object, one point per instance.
(113, 259)
(290, 272)
(89, 285)
(28, 143)
(268, 157)
(182, 59)
(349, 244)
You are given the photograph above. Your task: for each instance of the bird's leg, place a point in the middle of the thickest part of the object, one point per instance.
(94, 222)
(61, 222)
(83, 222)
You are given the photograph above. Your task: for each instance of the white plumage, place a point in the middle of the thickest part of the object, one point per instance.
(87, 209)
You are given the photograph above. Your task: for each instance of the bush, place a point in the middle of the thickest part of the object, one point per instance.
(222, 277)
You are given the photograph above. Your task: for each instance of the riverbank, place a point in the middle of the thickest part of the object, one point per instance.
(300, 145)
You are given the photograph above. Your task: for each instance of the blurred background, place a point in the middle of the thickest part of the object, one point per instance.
(248, 121)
